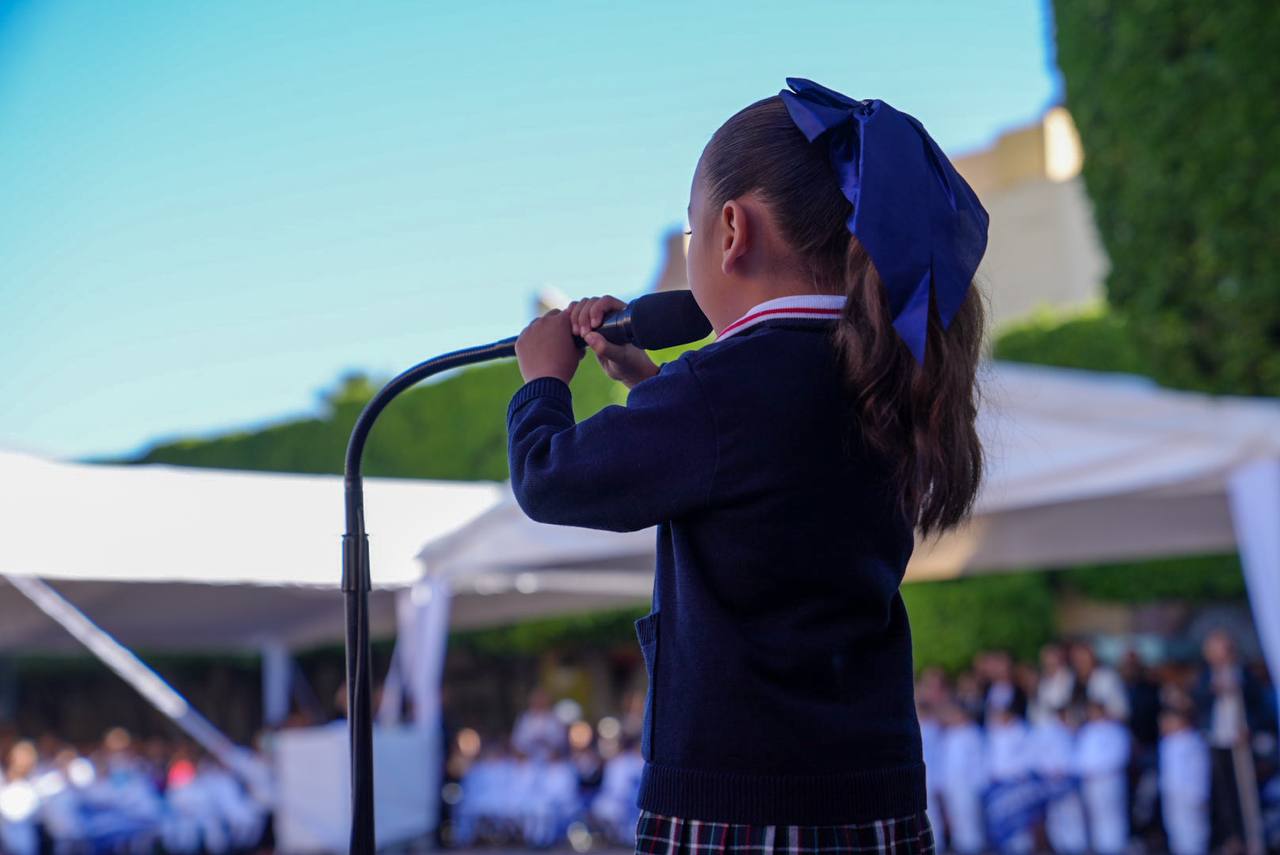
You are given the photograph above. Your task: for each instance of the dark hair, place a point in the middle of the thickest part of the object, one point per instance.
(920, 419)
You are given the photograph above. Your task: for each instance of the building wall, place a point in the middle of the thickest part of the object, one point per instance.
(1043, 248)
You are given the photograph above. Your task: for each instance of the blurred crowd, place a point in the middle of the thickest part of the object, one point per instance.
(122, 795)
(1068, 755)
(1076, 756)
(554, 776)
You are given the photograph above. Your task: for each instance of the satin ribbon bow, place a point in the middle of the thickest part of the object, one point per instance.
(921, 223)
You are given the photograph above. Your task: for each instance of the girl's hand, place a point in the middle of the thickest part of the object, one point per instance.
(623, 362)
(545, 348)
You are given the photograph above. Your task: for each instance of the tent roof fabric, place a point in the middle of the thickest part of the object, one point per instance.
(1055, 435)
(157, 523)
(180, 558)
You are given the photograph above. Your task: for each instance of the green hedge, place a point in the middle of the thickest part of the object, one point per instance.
(1203, 578)
(1175, 101)
(953, 620)
(597, 630)
(452, 427)
(1098, 339)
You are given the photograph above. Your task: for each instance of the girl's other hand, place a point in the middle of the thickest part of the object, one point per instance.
(625, 363)
(546, 348)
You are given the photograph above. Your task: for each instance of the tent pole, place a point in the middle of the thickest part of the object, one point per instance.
(356, 582)
(131, 669)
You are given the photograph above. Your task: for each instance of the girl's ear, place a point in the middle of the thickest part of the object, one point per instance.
(737, 233)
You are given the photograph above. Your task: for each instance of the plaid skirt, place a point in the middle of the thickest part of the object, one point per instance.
(657, 834)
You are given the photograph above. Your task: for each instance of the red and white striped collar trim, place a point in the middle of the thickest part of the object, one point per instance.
(790, 306)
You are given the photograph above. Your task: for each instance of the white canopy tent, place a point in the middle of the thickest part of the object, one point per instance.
(179, 558)
(1082, 467)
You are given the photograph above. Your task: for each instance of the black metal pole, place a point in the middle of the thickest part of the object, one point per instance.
(356, 584)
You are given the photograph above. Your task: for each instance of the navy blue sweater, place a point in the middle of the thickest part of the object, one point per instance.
(777, 646)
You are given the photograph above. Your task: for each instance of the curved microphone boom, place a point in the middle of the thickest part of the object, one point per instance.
(651, 322)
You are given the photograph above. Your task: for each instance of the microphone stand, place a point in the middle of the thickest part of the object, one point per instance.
(356, 584)
(651, 322)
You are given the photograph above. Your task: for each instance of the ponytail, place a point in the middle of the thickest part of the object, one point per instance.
(920, 417)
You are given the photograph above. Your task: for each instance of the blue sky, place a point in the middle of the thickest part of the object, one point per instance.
(211, 211)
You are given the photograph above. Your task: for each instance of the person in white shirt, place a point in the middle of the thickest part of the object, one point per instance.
(1098, 683)
(538, 731)
(1102, 757)
(550, 801)
(1052, 745)
(1184, 784)
(520, 785)
(19, 802)
(614, 806)
(1056, 684)
(964, 779)
(1229, 702)
(480, 786)
(1009, 763)
(931, 748)
(60, 808)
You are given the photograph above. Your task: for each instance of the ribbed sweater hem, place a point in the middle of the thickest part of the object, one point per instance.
(832, 799)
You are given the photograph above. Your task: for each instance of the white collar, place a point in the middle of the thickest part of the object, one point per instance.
(790, 306)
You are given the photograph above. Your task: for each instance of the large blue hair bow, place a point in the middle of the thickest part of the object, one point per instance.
(920, 222)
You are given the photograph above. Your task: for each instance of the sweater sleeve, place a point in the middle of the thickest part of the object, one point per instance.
(624, 468)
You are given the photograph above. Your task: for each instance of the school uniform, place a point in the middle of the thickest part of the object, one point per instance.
(1053, 692)
(931, 746)
(482, 787)
(522, 789)
(1105, 686)
(537, 734)
(549, 803)
(243, 817)
(615, 805)
(1052, 749)
(1009, 763)
(1184, 791)
(1102, 755)
(777, 646)
(18, 832)
(964, 779)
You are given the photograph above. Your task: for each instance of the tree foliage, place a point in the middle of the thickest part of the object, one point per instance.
(1175, 104)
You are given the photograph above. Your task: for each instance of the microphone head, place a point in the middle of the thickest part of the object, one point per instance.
(663, 319)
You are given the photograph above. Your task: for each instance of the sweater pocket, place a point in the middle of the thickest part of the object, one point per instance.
(647, 633)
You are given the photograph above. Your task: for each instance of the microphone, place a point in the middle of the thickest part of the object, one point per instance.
(654, 321)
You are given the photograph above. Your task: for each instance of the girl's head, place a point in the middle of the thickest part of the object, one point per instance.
(768, 218)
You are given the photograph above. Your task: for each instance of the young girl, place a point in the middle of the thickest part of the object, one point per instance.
(786, 467)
